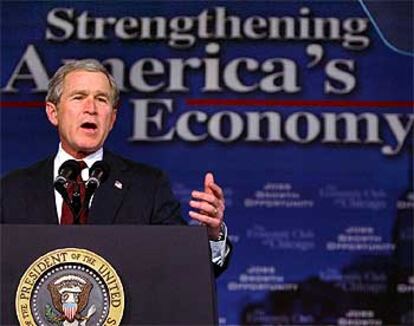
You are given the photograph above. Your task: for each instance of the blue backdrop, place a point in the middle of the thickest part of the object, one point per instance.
(303, 111)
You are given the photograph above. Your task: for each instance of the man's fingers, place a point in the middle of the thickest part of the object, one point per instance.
(204, 206)
(210, 198)
(209, 221)
(217, 190)
(211, 187)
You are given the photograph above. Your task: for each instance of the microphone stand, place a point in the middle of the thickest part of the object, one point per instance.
(76, 204)
(79, 207)
(63, 192)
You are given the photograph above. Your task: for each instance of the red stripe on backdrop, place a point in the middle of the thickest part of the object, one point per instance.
(22, 104)
(295, 103)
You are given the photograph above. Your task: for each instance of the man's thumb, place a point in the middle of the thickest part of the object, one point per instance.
(208, 179)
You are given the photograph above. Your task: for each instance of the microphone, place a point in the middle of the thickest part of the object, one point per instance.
(98, 174)
(68, 171)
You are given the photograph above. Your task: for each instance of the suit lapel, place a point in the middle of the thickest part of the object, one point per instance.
(41, 202)
(110, 194)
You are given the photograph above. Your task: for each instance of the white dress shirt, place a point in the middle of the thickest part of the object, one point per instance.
(62, 157)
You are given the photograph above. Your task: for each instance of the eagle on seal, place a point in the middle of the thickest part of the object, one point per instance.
(70, 295)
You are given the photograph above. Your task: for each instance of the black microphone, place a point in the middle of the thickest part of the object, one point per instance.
(68, 171)
(98, 174)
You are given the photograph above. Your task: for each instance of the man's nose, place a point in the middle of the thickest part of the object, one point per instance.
(90, 106)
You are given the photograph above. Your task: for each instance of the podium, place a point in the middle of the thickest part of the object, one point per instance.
(166, 271)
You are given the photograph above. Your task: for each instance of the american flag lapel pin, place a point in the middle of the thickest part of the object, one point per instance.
(118, 184)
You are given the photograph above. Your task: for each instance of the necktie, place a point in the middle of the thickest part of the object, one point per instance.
(76, 194)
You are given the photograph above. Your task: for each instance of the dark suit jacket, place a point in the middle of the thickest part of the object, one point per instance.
(133, 194)
(143, 196)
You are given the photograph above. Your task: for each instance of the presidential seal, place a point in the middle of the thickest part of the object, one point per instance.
(70, 287)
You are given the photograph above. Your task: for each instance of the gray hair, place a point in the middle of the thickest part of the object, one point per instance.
(55, 89)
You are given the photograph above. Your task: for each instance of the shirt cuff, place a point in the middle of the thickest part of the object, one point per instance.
(219, 249)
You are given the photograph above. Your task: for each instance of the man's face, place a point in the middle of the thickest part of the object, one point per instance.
(84, 115)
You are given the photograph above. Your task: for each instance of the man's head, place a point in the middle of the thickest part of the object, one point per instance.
(81, 103)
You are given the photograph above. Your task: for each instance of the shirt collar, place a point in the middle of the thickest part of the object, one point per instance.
(62, 156)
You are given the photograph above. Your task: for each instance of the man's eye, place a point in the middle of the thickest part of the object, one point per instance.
(103, 99)
(77, 97)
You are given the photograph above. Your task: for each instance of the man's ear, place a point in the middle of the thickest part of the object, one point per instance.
(51, 112)
(113, 117)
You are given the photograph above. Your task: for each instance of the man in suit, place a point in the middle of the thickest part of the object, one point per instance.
(82, 103)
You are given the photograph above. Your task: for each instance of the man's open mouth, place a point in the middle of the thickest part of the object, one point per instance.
(89, 126)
